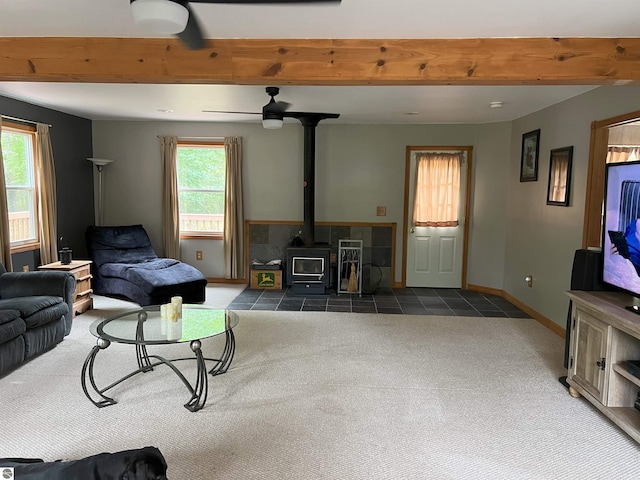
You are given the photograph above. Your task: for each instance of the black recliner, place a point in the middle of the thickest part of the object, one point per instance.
(36, 312)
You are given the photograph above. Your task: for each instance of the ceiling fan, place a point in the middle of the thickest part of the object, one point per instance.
(274, 112)
(176, 17)
(272, 115)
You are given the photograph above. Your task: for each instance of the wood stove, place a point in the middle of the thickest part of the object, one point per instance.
(309, 270)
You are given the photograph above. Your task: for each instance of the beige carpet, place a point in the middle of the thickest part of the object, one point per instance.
(315, 395)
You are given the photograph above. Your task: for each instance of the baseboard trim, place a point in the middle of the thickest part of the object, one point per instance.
(546, 322)
(228, 280)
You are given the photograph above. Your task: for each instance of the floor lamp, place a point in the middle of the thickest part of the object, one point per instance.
(100, 164)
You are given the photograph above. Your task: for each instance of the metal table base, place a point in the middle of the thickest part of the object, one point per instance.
(147, 363)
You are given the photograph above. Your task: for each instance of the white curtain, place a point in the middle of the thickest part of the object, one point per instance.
(233, 210)
(558, 183)
(437, 190)
(170, 213)
(47, 198)
(623, 154)
(5, 235)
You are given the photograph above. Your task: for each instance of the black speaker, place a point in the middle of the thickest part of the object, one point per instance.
(587, 270)
(585, 275)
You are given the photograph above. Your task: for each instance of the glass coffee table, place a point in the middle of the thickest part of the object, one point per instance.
(144, 327)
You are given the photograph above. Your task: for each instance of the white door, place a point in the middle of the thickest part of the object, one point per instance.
(434, 254)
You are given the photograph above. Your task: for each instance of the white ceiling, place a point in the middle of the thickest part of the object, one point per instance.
(349, 19)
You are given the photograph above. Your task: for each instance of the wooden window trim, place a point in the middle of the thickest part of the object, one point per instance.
(598, 145)
(201, 236)
(27, 245)
(190, 143)
(198, 143)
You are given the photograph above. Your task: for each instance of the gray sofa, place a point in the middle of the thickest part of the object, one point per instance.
(36, 312)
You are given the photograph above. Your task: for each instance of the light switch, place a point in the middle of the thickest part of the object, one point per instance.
(382, 211)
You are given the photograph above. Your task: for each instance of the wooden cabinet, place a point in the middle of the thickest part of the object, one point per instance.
(81, 269)
(604, 336)
(587, 362)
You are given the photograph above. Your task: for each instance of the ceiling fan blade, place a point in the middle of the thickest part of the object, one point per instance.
(237, 113)
(276, 107)
(254, 2)
(191, 36)
(311, 115)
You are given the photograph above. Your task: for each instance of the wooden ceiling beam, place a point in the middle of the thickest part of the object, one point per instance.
(479, 61)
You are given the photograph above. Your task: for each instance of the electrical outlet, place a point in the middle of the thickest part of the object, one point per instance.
(381, 211)
(25, 268)
(198, 254)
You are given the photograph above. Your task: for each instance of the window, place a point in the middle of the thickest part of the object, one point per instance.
(437, 196)
(18, 152)
(201, 189)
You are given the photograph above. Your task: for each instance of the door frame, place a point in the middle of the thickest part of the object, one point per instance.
(599, 143)
(467, 203)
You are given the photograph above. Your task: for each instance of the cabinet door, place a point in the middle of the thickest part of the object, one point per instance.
(588, 353)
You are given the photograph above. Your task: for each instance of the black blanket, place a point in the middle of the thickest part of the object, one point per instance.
(140, 464)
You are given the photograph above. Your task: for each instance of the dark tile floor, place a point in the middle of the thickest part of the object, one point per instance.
(407, 301)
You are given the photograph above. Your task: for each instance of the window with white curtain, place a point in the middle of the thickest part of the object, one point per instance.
(437, 192)
(201, 169)
(18, 153)
(620, 154)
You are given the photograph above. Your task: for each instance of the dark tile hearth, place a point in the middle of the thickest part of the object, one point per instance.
(402, 301)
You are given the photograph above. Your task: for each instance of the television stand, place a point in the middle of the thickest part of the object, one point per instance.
(604, 336)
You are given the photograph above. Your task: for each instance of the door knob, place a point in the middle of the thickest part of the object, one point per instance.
(413, 230)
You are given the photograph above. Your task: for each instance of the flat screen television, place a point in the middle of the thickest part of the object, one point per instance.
(621, 228)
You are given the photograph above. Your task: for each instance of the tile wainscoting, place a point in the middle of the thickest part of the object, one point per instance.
(269, 241)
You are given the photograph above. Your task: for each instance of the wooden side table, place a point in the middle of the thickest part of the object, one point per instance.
(81, 269)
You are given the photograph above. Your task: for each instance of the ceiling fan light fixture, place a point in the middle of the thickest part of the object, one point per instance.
(272, 123)
(160, 16)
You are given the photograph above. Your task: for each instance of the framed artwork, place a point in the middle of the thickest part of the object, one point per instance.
(529, 156)
(560, 176)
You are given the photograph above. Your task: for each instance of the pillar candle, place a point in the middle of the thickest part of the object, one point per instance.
(163, 319)
(177, 305)
(171, 312)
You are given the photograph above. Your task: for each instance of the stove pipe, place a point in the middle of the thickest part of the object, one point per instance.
(308, 228)
(310, 122)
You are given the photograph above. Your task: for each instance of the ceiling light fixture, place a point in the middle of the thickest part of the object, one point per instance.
(495, 105)
(160, 16)
(272, 123)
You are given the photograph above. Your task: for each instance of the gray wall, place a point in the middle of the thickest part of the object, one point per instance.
(71, 143)
(541, 239)
(358, 168)
(487, 238)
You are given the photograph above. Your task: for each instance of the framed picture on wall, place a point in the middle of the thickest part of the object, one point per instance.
(529, 156)
(560, 176)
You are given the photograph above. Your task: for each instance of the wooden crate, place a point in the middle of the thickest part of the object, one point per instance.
(271, 279)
